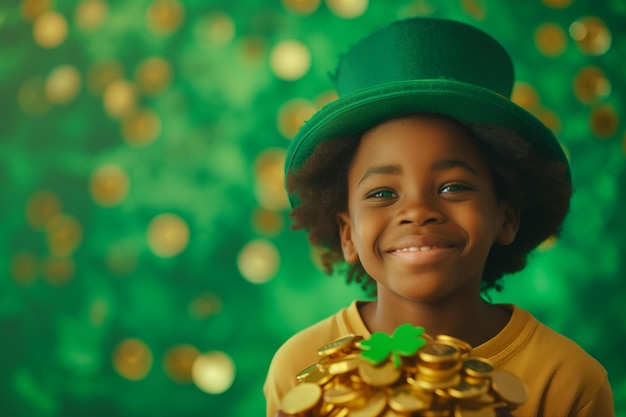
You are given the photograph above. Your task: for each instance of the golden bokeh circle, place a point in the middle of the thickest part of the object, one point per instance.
(557, 4)
(548, 244)
(290, 60)
(293, 114)
(205, 305)
(348, 9)
(141, 127)
(213, 372)
(153, 75)
(258, 261)
(64, 234)
(178, 362)
(301, 7)
(525, 96)
(109, 185)
(102, 73)
(30, 9)
(168, 235)
(550, 119)
(63, 84)
(475, 8)
(550, 39)
(58, 271)
(267, 222)
(216, 29)
(50, 29)
(591, 85)
(164, 17)
(591, 35)
(119, 98)
(269, 174)
(604, 121)
(24, 267)
(32, 97)
(132, 359)
(41, 207)
(91, 14)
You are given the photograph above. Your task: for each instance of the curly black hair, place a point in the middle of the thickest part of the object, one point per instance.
(538, 188)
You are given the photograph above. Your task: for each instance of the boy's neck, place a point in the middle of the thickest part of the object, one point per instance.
(472, 320)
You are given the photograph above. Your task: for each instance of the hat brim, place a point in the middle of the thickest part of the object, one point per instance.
(465, 102)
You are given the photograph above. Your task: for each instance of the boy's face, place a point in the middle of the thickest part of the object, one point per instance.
(422, 209)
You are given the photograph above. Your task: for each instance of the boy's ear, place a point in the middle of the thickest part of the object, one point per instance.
(348, 247)
(509, 226)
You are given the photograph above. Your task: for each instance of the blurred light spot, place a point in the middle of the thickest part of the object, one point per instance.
(58, 271)
(103, 73)
(293, 114)
(168, 235)
(326, 98)
(213, 372)
(32, 8)
(290, 60)
(132, 359)
(525, 96)
(252, 49)
(91, 14)
(205, 305)
(122, 258)
(215, 29)
(32, 97)
(50, 29)
(550, 39)
(64, 234)
(475, 8)
(98, 312)
(270, 188)
(267, 222)
(109, 185)
(141, 127)
(24, 267)
(153, 75)
(591, 35)
(604, 121)
(557, 4)
(590, 84)
(63, 84)
(301, 7)
(348, 9)
(165, 16)
(258, 261)
(550, 119)
(548, 244)
(419, 8)
(41, 207)
(119, 98)
(178, 362)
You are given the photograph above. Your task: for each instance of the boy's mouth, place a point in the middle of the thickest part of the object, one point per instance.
(420, 248)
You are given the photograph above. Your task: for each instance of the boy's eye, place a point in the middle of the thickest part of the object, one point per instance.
(382, 194)
(453, 188)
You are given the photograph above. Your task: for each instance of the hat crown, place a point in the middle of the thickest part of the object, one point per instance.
(426, 49)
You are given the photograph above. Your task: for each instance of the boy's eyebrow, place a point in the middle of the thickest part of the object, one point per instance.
(437, 166)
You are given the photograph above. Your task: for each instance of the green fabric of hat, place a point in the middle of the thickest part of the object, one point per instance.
(422, 65)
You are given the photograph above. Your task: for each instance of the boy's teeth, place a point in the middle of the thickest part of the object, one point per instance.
(414, 249)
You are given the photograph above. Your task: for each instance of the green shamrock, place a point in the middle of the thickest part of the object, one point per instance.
(406, 340)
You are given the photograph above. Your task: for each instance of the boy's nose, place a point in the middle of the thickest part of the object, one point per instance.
(419, 210)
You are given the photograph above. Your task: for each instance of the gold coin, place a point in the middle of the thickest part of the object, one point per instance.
(478, 367)
(438, 352)
(463, 346)
(406, 399)
(433, 385)
(438, 373)
(338, 345)
(379, 375)
(314, 374)
(464, 411)
(374, 405)
(343, 394)
(301, 398)
(466, 390)
(509, 387)
(341, 364)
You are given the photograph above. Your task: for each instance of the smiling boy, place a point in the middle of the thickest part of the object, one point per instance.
(431, 185)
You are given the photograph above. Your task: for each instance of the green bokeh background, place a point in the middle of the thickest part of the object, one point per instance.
(59, 328)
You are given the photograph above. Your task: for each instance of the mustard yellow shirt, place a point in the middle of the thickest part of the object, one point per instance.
(563, 380)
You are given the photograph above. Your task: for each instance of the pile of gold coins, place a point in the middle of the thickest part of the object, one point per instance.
(441, 379)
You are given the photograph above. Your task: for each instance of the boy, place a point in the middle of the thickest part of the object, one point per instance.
(431, 184)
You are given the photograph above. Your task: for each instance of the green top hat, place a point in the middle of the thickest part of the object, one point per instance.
(423, 65)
